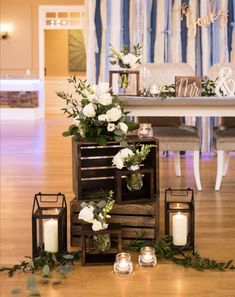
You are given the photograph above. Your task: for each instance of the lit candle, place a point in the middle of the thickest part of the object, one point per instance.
(123, 264)
(147, 257)
(51, 236)
(179, 229)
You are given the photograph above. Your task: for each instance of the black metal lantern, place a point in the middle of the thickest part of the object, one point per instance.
(49, 223)
(180, 217)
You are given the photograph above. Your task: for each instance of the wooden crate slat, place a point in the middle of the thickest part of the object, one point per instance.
(91, 156)
(133, 220)
(137, 209)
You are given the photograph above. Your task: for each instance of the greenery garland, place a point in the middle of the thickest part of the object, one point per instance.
(208, 90)
(164, 249)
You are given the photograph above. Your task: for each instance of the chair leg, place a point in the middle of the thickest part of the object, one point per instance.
(220, 165)
(226, 163)
(196, 169)
(177, 163)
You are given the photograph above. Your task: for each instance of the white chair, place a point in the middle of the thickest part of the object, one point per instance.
(172, 135)
(224, 141)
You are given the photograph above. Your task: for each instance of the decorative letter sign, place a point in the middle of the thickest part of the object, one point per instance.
(188, 86)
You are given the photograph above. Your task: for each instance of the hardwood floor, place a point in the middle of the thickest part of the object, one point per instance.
(35, 157)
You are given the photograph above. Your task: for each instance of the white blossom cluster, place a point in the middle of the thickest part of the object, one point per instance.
(120, 158)
(87, 214)
(124, 58)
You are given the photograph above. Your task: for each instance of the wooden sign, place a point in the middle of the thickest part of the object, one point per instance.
(188, 86)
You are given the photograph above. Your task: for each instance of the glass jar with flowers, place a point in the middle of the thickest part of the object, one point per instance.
(96, 213)
(126, 60)
(97, 115)
(131, 158)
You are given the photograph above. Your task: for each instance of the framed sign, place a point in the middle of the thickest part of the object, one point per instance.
(188, 86)
(124, 82)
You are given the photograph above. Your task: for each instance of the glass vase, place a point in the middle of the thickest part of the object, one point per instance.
(102, 242)
(123, 82)
(134, 181)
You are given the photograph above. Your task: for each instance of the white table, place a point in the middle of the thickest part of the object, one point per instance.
(184, 106)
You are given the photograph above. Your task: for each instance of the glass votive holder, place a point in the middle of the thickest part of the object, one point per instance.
(123, 264)
(147, 257)
(145, 130)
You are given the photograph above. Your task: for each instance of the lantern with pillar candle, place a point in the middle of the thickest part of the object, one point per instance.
(49, 224)
(180, 217)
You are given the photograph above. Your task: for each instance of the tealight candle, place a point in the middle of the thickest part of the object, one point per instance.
(147, 257)
(123, 264)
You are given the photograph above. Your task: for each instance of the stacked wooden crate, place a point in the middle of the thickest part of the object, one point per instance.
(92, 171)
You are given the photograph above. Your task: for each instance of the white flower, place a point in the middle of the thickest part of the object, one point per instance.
(134, 167)
(123, 127)
(92, 98)
(111, 127)
(105, 99)
(89, 110)
(113, 114)
(118, 161)
(126, 152)
(76, 121)
(102, 117)
(87, 214)
(125, 59)
(96, 226)
(86, 93)
(154, 90)
(132, 60)
(101, 88)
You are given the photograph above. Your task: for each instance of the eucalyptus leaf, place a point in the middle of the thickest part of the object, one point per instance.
(68, 257)
(101, 203)
(83, 204)
(35, 293)
(46, 270)
(15, 291)
(54, 258)
(43, 281)
(56, 281)
(31, 282)
(66, 268)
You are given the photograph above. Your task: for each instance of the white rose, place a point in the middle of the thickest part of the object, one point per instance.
(118, 161)
(102, 118)
(96, 226)
(113, 114)
(105, 99)
(134, 167)
(92, 98)
(89, 110)
(87, 214)
(154, 90)
(123, 127)
(111, 127)
(86, 93)
(125, 59)
(132, 60)
(76, 121)
(101, 88)
(126, 152)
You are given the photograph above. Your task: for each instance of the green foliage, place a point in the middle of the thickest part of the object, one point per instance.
(139, 154)
(165, 91)
(46, 261)
(15, 291)
(164, 249)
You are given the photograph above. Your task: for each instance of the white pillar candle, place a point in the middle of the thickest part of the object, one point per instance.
(179, 229)
(51, 236)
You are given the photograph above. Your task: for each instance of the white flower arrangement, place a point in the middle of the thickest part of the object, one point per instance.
(96, 213)
(131, 157)
(124, 58)
(97, 115)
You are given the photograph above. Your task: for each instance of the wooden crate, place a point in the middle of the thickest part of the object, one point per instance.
(136, 220)
(93, 170)
(145, 194)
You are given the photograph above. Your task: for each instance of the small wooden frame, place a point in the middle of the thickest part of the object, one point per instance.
(89, 258)
(145, 194)
(188, 86)
(134, 87)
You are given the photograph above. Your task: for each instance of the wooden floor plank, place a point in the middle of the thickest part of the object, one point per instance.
(35, 157)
